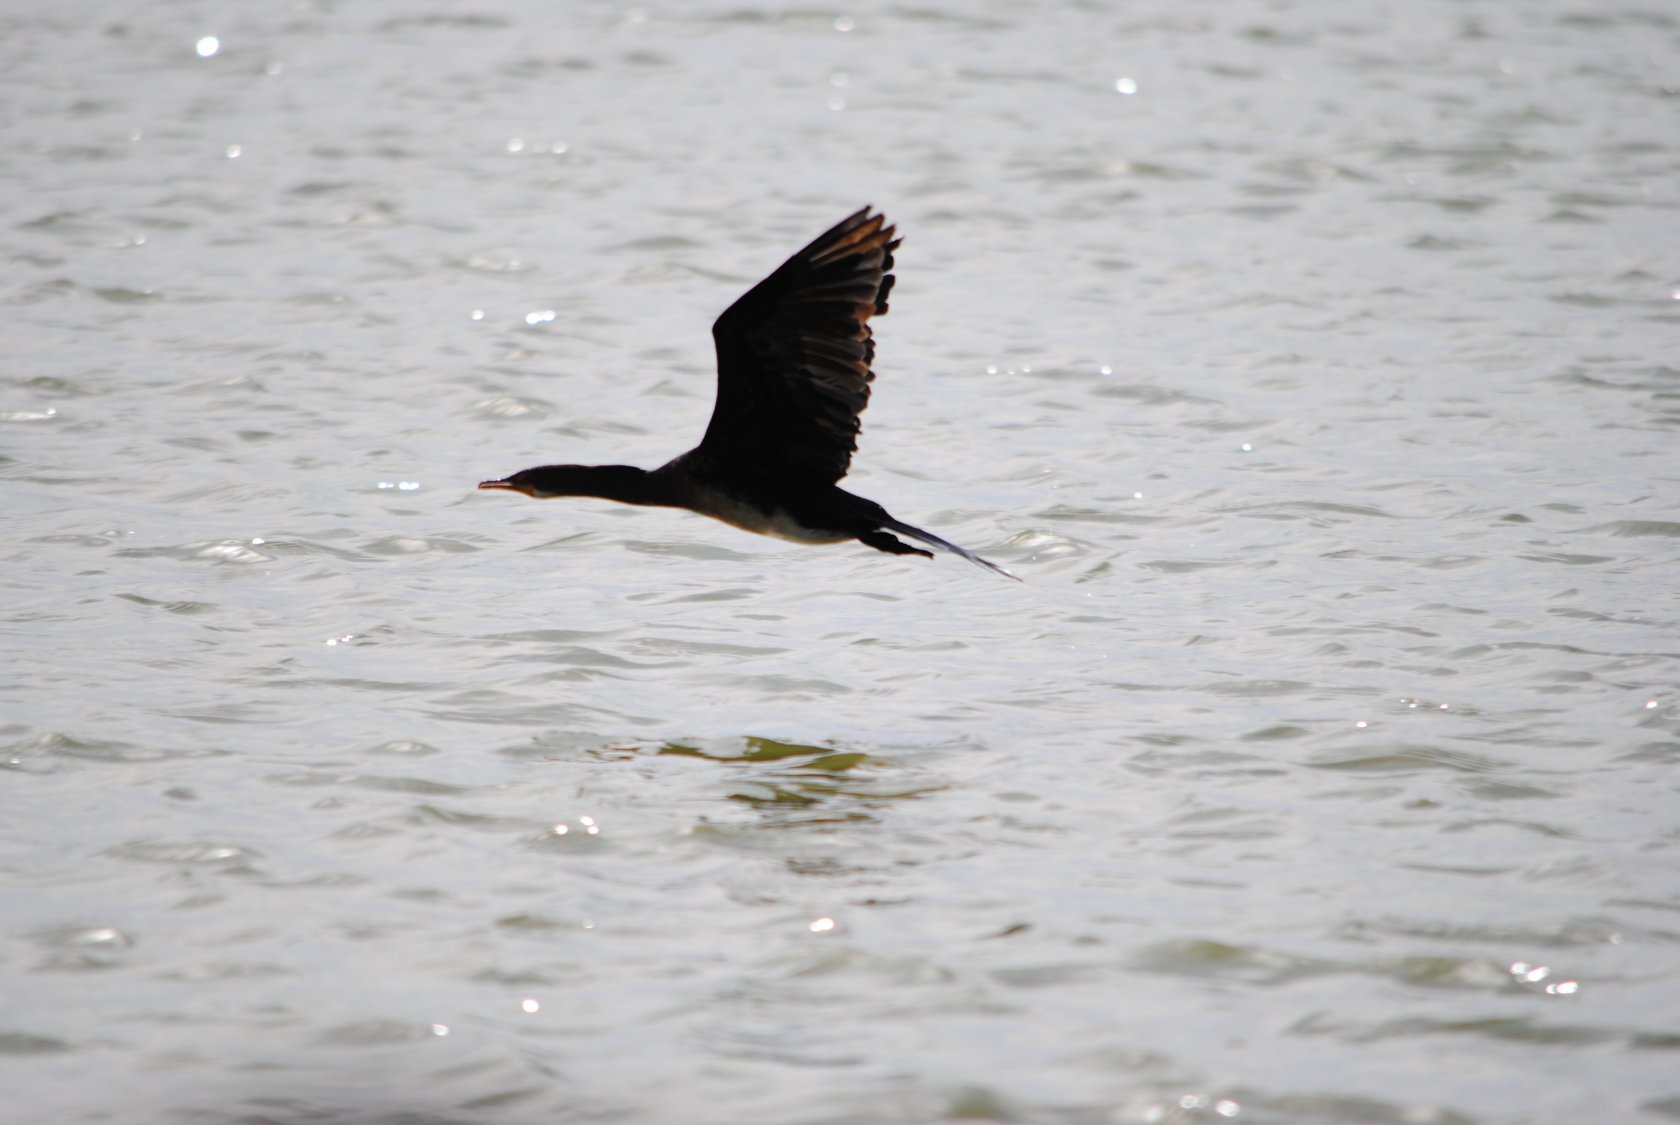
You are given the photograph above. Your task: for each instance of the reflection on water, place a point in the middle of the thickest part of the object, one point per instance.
(820, 784)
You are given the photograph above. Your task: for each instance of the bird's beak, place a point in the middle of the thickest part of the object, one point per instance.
(498, 484)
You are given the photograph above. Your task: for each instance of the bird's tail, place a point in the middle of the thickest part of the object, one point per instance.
(933, 540)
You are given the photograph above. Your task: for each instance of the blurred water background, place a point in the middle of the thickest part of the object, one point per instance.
(1314, 363)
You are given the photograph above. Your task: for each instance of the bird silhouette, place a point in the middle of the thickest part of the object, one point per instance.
(793, 361)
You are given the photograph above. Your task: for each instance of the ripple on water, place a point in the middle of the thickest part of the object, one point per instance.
(1635, 529)
(235, 552)
(702, 551)
(383, 783)
(720, 594)
(40, 292)
(1501, 790)
(1221, 764)
(1106, 515)
(52, 744)
(1663, 752)
(793, 688)
(1150, 395)
(219, 971)
(81, 948)
(1259, 689)
(23, 1043)
(375, 1033)
(1505, 1028)
(103, 539)
(511, 406)
(582, 657)
(188, 608)
(1561, 558)
(413, 545)
(465, 818)
(291, 547)
(191, 853)
(119, 295)
(1567, 933)
(1195, 566)
(1319, 512)
(1411, 758)
(1218, 960)
(1224, 824)
(1253, 964)
(404, 748)
(1050, 545)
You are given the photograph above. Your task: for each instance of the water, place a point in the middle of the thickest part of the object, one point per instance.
(1312, 363)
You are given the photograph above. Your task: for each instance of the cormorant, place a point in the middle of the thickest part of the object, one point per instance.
(793, 358)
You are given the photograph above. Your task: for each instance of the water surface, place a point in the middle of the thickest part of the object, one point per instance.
(1312, 363)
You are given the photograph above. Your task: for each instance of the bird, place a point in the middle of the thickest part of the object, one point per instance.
(794, 357)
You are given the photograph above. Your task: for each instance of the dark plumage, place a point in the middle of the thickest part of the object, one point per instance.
(794, 357)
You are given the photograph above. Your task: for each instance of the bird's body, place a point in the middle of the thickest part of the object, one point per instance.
(793, 375)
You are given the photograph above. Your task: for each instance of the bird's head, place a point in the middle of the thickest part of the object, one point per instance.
(522, 481)
(610, 482)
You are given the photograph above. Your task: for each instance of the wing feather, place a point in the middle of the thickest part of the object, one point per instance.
(794, 356)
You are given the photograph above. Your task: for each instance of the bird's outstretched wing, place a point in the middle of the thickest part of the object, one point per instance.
(794, 353)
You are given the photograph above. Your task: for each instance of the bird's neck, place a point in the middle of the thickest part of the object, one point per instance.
(624, 483)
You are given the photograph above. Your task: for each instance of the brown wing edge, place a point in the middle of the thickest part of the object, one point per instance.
(858, 236)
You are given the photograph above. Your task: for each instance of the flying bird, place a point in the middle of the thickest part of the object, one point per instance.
(793, 361)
